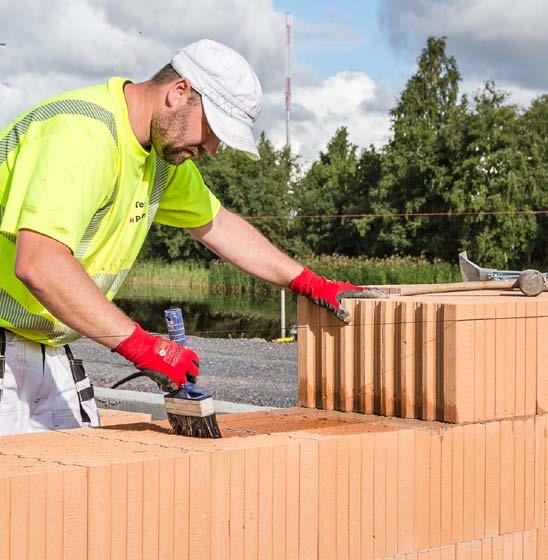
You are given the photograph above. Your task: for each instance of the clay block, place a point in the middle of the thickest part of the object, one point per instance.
(354, 496)
(265, 504)
(406, 492)
(458, 358)
(308, 502)
(542, 544)
(220, 505)
(118, 510)
(342, 497)
(468, 483)
(507, 457)
(279, 500)
(151, 510)
(422, 489)
(327, 493)
(99, 491)
(134, 510)
(237, 465)
(306, 353)
(284, 484)
(542, 355)
(110, 417)
(367, 498)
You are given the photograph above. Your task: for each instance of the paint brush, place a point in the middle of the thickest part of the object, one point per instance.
(190, 408)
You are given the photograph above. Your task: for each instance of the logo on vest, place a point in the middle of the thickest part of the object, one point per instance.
(140, 216)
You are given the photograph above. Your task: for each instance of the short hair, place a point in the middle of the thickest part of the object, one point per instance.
(165, 75)
(168, 74)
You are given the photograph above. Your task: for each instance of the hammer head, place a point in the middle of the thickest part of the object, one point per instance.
(531, 282)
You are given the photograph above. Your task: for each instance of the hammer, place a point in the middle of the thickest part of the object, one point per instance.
(530, 282)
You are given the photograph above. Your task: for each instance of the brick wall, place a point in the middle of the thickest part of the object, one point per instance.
(307, 483)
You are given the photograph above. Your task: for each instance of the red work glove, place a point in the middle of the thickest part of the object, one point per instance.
(329, 293)
(155, 354)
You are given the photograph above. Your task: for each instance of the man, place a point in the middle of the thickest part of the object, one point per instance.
(82, 177)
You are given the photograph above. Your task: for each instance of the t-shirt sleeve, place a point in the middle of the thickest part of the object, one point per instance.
(58, 182)
(187, 202)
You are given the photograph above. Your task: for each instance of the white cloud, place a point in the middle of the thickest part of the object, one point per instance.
(502, 40)
(350, 99)
(54, 45)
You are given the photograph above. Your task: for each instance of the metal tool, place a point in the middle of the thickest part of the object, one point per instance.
(471, 272)
(530, 282)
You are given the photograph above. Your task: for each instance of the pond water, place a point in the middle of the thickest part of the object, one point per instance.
(213, 315)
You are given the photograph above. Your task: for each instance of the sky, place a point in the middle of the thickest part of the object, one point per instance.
(350, 60)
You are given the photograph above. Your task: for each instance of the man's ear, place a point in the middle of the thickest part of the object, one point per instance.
(178, 93)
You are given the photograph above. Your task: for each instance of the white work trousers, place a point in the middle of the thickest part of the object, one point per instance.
(41, 391)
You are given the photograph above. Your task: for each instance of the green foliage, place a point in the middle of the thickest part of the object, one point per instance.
(492, 171)
(415, 168)
(447, 154)
(327, 190)
(393, 270)
(533, 134)
(177, 275)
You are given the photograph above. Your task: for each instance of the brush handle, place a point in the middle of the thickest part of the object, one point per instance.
(176, 331)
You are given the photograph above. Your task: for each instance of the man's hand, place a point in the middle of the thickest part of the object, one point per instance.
(156, 354)
(329, 293)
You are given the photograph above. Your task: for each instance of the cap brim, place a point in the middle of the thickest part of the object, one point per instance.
(231, 131)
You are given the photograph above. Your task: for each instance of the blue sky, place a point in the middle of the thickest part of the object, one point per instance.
(367, 49)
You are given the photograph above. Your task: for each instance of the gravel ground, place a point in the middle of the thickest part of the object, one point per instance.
(250, 371)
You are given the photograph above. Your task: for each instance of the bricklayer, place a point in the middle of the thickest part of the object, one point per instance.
(288, 484)
(468, 357)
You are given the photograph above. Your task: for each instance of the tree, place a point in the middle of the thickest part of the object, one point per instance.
(534, 136)
(327, 189)
(416, 162)
(496, 168)
(362, 234)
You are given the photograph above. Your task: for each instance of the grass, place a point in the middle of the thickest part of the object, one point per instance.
(393, 270)
(169, 279)
(181, 274)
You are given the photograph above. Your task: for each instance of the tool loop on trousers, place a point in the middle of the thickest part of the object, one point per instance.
(84, 388)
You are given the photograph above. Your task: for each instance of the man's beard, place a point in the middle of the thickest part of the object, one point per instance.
(168, 145)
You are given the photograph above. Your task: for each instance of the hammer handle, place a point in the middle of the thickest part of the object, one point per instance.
(459, 287)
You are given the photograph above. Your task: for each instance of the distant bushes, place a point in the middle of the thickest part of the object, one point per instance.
(222, 277)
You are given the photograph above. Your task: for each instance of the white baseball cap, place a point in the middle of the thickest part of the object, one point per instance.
(231, 92)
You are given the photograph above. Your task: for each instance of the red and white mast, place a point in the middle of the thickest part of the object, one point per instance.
(288, 25)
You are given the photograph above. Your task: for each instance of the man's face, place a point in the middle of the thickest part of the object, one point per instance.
(182, 133)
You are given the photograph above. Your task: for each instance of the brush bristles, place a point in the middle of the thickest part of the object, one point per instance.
(195, 426)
